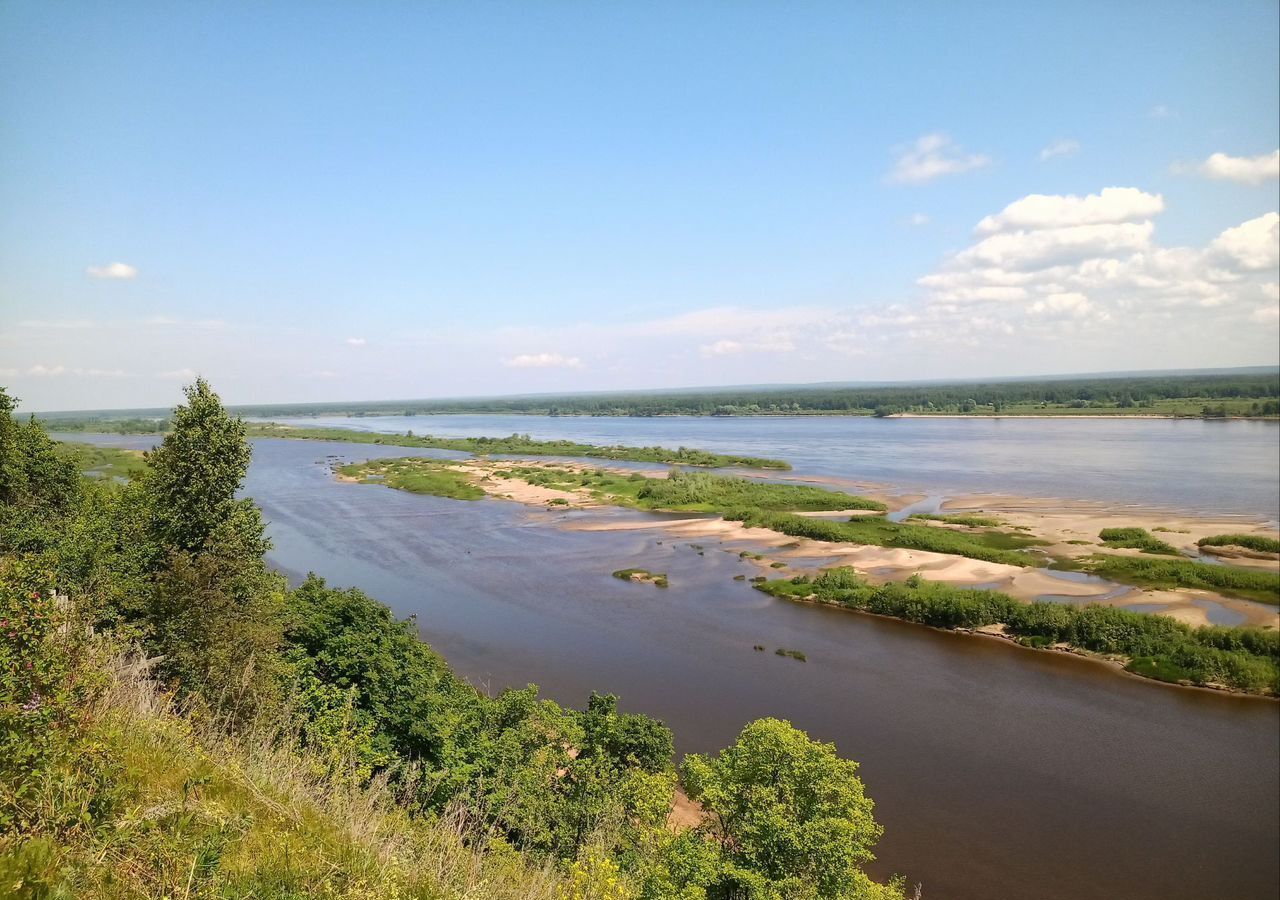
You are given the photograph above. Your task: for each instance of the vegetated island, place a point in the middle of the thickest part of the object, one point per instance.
(176, 721)
(521, 445)
(1239, 393)
(1234, 658)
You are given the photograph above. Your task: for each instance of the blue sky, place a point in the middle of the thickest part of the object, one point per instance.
(359, 201)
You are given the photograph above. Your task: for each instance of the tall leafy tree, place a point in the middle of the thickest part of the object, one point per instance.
(195, 473)
(789, 815)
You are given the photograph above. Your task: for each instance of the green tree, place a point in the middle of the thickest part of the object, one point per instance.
(195, 473)
(37, 487)
(215, 613)
(789, 815)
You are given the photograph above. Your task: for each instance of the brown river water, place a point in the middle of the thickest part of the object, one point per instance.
(996, 771)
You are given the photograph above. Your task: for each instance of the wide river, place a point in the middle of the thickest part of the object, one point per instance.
(996, 771)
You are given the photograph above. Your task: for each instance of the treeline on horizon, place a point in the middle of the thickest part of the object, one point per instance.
(1207, 395)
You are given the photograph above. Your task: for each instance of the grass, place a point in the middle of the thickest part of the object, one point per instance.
(990, 546)
(1136, 539)
(1233, 581)
(102, 462)
(1155, 646)
(702, 491)
(520, 445)
(644, 576)
(168, 806)
(1258, 542)
(793, 654)
(418, 476)
(970, 521)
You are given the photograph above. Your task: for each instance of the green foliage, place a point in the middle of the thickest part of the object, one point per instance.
(38, 488)
(786, 812)
(1137, 539)
(998, 547)
(195, 472)
(521, 445)
(106, 463)
(1243, 658)
(317, 731)
(704, 491)
(1260, 543)
(416, 475)
(658, 579)
(967, 520)
(1251, 584)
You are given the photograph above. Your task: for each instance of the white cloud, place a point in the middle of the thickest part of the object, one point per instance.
(1061, 147)
(1267, 315)
(1253, 245)
(1240, 169)
(763, 343)
(933, 156)
(1038, 248)
(116, 270)
(42, 371)
(722, 348)
(356, 342)
(1071, 263)
(543, 361)
(1067, 304)
(918, 220)
(1108, 206)
(1160, 111)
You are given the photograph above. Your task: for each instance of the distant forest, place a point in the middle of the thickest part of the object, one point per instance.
(1251, 393)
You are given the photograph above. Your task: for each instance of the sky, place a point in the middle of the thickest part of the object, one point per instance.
(357, 201)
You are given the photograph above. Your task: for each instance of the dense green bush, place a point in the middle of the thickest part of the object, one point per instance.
(1243, 658)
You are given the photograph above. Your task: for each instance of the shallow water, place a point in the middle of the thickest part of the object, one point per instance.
(996, 771)
(1189, 465)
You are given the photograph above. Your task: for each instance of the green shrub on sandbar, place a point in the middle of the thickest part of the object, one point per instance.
(1246, 659)
(970, 521)
(1136, 539)
(715, 493)
(994, 546)
(1259, 542)
(1251, 584)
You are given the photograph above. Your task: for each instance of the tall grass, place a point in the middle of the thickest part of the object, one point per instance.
(1136, 539)
(1258, 542)
(1250, 584)
(183, 802)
